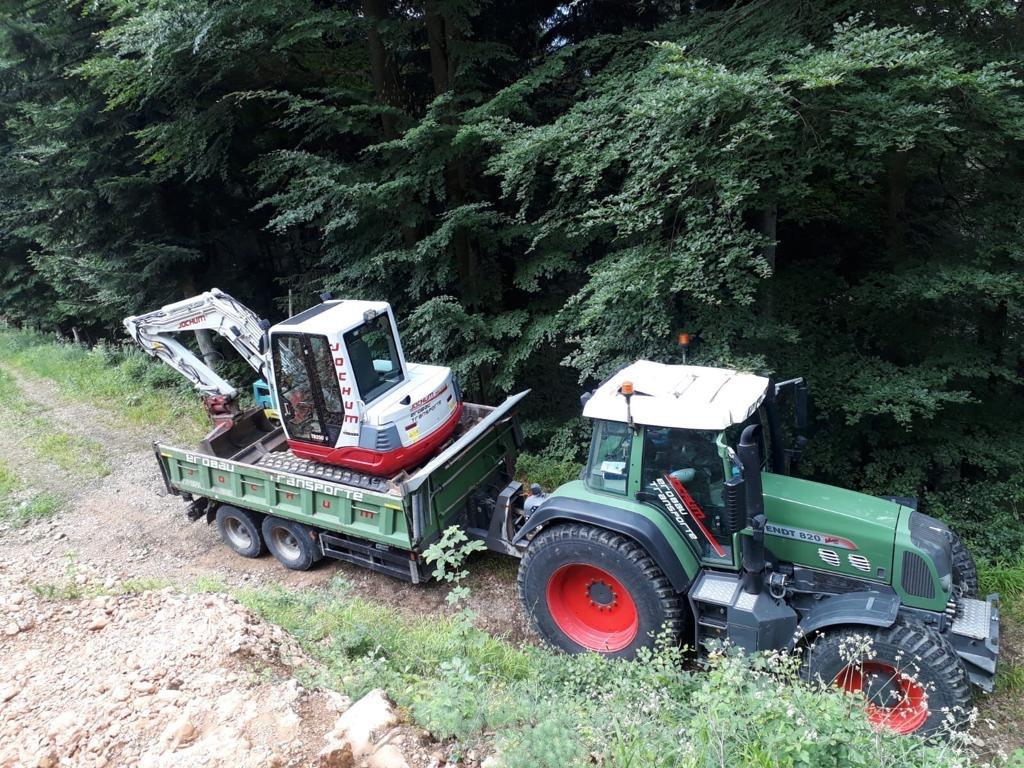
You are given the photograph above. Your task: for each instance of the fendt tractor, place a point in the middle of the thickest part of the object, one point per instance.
(686, 523)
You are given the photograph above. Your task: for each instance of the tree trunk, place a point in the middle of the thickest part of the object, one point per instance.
(204, 338)
(438, 49)
(769, 225)
(895, 228)
(382, 65)
(440, 35)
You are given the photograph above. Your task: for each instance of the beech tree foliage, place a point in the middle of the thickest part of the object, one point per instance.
(548, 190)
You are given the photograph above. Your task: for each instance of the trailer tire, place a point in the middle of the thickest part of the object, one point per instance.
(590, 589)
(908, 663)
(293, 544)
(965, 572)
(240, 530)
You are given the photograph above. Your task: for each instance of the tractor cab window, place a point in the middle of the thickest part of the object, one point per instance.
(608, 467)
(685, 470)
(307, 388)
(757, 418)
(373, 353)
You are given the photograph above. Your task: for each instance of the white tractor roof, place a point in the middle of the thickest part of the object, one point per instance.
(681, 396)
(330, 317)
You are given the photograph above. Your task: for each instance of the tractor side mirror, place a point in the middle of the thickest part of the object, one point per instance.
(800, 408)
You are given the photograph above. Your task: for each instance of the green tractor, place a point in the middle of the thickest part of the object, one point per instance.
(687, 521)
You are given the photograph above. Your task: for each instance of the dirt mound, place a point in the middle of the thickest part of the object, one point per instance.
(153, 679)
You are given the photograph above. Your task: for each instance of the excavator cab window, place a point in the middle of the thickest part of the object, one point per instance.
(307, 388)
(373, 353)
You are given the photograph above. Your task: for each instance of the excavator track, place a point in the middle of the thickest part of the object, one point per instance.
(286, 461)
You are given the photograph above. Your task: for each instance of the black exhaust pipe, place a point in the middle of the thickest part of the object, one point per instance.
(749, 453)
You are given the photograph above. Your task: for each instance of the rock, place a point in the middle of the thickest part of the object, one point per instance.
(8, 692)
(99, 621)
(46, 759)
(144, 686)
(179, 732)
(336, 756)
(356, 726)
(12, 629)
(62, 723)
(491, 761)
(388, 756)
(338, 702)
(120, 694)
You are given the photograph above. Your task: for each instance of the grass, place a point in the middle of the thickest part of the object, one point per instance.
(17, 513)
(140, 390)
(18, 508)
(1005, 577)
(8, 482)
(76, 454)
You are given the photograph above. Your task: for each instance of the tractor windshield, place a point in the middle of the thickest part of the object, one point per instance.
(685, 471)
(374, 356)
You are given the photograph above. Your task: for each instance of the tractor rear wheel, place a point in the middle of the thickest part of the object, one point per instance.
(589, 589)
(293, 544)
(965, 572)
(240, 530)
(911, 677)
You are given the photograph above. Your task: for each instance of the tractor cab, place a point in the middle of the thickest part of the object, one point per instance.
(666, 435)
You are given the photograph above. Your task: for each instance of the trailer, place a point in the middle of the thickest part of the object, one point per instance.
(260, 494)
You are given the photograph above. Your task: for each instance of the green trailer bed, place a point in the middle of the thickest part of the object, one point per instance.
(382, 523)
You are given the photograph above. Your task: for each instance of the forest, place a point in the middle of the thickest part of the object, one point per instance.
(547, 190)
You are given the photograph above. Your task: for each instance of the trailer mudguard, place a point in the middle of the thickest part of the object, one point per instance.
(633, 526)
(865, 608)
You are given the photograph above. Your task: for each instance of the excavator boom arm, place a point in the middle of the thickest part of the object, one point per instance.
(213, 310)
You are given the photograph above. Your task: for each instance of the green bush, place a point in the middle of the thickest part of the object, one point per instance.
(541, 708)
(549, 472)
(989, 515)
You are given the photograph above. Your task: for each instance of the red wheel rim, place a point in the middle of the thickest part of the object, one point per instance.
(592, 608)
(910, 707)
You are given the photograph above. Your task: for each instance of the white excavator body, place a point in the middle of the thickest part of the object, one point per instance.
(346, 394)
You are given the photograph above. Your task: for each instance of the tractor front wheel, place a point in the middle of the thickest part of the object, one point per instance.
(589, 589)
(965, 572)
(910, 676)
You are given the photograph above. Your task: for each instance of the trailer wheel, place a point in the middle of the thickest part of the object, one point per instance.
(911, 677)
(240, 530)
(589, 589)
(965, 572)
(293, 544)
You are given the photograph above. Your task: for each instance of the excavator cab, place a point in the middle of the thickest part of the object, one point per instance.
(337, 374)
(347, 394)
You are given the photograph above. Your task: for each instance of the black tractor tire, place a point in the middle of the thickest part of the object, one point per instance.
(965, 572)
(295, 545)
(590, 589)
(907, 648)
(240, 530)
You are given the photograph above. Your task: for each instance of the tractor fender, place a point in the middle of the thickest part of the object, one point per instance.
(629, 524)
(872, 609)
